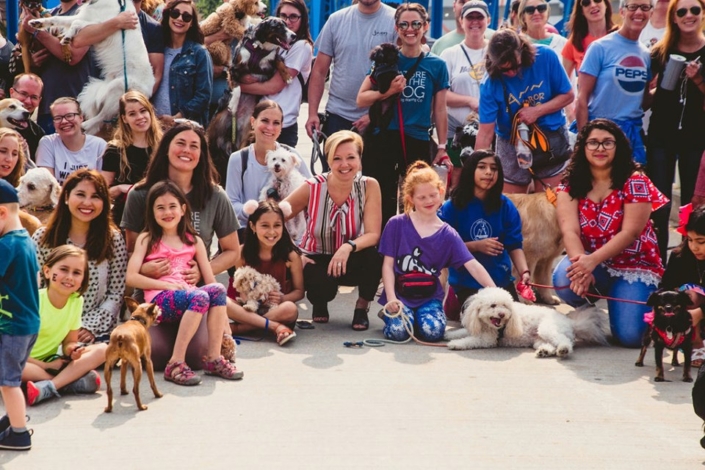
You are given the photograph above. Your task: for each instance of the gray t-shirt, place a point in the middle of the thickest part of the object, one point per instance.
(161, 100)
(348, 37)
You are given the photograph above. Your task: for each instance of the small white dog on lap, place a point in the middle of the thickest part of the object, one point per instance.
(492, 319)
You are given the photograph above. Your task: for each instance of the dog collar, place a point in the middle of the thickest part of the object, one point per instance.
(39, 209)
(139, 319)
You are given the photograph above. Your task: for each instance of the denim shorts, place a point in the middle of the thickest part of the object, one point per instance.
(513, 174)
(14, 351)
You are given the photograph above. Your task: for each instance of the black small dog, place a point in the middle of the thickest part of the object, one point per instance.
(385, 68)
(671, 327)
(466, 136)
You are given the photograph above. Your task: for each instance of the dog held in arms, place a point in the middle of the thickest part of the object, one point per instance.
(385, 68)
(670, 326)
(130, 343)
(492, 319)
(253, 288)
(39, 193)
(120, 60)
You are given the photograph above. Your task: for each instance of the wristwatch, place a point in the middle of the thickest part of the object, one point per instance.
(353, 245)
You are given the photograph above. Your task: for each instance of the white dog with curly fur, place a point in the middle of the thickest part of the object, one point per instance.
(491, 319)
(253, 288)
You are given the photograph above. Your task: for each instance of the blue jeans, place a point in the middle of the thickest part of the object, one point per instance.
(428, 320)
(332, 124)
(289, 135)
(14, 351)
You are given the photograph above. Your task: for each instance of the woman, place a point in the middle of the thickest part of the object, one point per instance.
(533, 20)
(69, 148)
(82, 218)
(127, 155)
(343, 225)
(185, 89)
(12, 156)
(247, 168)
(676, 125)
(298, 61)
(609, 239)
(514, 65)
(423, 102)
(589, 21)
(466, 68)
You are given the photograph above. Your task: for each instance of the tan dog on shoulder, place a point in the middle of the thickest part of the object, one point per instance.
(130, 342)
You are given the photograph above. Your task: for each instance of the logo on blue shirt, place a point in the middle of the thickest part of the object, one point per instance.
(631, 74)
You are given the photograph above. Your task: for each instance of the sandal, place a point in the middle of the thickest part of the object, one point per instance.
(697, 358)
(360, 321)
(320, 313)
(181, 374)
(222, 368)
(284, 335)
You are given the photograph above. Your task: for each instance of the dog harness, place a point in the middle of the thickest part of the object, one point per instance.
(670, 340)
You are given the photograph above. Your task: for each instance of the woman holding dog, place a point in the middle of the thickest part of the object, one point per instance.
(420, 102)
(185, 89)
(343, 226)
(610, 241)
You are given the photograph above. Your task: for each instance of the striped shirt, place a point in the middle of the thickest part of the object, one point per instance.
(328, 225)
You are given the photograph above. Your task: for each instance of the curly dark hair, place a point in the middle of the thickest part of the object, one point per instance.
(465, 191)
(578, 172)
(502, 50)
(194, 32)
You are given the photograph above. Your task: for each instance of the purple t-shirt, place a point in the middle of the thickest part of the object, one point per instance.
(429, 255)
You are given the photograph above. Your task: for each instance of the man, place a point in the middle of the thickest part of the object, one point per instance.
(28, 89)
(346, 41)
(456, 36)
(614, 76)
(656, 28)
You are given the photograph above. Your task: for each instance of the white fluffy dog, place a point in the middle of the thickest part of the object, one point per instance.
(253, 287)
(100, 97)
(491, 318)
(283, 165)
(39, 193)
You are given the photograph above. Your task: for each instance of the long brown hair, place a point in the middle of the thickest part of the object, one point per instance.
(99, 243)
(578, 24)
(14, 177)
(670, 38)
(184, 229)
(502, 49)
(303, 32)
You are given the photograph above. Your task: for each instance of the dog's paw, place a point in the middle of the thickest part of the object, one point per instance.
(108, 409)
(563, 351)
(639, 363)
(65, 41)
(543, 352)
(547, 300)
(36, 24)
(455, 346)
(142, 407)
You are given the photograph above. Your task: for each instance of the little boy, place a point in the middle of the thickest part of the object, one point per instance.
(19, 316)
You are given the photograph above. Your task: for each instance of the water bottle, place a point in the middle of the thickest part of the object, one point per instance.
(524, 157)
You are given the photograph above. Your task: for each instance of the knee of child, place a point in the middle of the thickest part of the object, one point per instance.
(289, 310)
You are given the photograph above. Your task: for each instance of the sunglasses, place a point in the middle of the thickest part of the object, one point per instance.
(531, 10)
(186, 16)
(415, 25)
(634, 7)
(586, 3)
(681, 12)
(293, 18)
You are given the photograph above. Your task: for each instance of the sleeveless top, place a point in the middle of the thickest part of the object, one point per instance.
(179, 261)
(329, 226)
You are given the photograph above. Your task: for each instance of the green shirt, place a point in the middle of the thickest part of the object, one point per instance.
(55, 324)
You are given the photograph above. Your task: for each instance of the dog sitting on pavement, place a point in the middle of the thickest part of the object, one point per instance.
(130, 343)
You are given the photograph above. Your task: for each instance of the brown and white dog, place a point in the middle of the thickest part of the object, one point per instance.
(13, 114)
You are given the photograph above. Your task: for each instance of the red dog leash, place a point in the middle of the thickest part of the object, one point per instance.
(598, 296)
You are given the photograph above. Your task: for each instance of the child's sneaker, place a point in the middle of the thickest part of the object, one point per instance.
(89, 383)
(40, 391)
(222, 368)
(5, 423)
(181, 374)
(11, 440)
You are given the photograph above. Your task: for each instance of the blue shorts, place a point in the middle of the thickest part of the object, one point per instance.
(14, 351)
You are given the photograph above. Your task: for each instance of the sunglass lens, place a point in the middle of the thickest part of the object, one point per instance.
(416, 25)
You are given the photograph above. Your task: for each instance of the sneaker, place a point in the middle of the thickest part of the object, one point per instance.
(5, 422)
(222, 368)
(40, 391)
(89, 383)
(181, 374)
(11, 440)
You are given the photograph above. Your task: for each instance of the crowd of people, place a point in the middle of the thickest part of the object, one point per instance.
(143, 212)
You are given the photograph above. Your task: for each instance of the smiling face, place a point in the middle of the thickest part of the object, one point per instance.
(71, 120)
(66, 275)
(635, 21)
(537, 19)
(267, 125)
(28, 92)
(411, 36)
(690, 22)
(600, 157)
(269, 229)
(179, 25)
(185, 151)
(137, 117)
(168, 212)
(426, 199)
(9, 155)
(475, 24)
(345, 162)
(84, 202)
(292, 15)
(485, 176)
(696, 243)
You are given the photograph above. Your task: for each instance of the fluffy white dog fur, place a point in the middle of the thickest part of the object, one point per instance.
(38, 193)
(525, 326)
(253, 287)
(99, 98)
(286, 177)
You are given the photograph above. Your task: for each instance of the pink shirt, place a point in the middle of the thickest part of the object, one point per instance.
(178, 259)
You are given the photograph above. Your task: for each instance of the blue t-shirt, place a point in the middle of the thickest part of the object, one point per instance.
(537, 84)
(622, 68)
(429, 255)
(19, 293)
(474, 223)
(430, 77)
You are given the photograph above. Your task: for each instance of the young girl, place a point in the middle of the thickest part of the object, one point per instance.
(169, 234)
(60, 306)
(489, 224)
(419, 242)
(269, 249)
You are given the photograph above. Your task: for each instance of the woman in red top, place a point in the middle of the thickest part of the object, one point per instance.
(603, 208)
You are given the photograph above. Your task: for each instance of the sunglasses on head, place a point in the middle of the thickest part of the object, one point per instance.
(586, 3)
(681, 12)
(415, 25)
(531, 10)
(186, 16)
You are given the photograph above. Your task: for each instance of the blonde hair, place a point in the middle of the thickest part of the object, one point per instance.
(65, 251)
(522, 21)
(418, 173)
(339, 138)
(14, 177)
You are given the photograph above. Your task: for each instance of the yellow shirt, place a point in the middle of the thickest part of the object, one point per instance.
(55, 324)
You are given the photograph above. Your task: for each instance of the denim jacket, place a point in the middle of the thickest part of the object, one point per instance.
(191, 82)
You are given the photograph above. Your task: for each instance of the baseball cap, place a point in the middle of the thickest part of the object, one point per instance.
(8, 193)
(475, 6)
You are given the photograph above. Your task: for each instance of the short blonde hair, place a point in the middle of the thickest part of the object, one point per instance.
(522, 21)
(418, 173)
(339, 138)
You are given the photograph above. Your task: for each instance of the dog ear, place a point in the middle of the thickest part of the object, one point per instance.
(131, 303)
(471, 317)
(55, 192)
(513, 328)
(297, 159)
(683, 299)
(653, 299)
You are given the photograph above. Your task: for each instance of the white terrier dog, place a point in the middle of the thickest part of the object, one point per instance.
(39, 193)
(286, 177)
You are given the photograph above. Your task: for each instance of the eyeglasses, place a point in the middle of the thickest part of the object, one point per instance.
(68, 116)
(634, 7)
(681, 12)
(25, 95)
(293, 18)
(531, 10)
(608, 144)
(415, 25)
(586, 3)
(186, 16)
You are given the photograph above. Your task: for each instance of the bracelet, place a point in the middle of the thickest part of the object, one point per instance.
(34, 34)
(441, 146)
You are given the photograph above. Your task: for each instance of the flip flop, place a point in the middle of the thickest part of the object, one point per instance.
(284, 335)
(697, 358)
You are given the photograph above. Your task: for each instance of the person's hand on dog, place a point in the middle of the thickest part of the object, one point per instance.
(156, 268)
(339, 261)
(396, 87)
(85, 336)
(38, 58)
(489, 246)
(193, 274)
(362, 123)
(248, 79)
(529, 114)
(126, 20)
(274, 298)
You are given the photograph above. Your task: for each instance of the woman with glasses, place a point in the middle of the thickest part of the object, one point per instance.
(69, 149)
(590, 20)
(185, 89)
(604, 204)
(676, 125)
(533, 21)
(421, 102)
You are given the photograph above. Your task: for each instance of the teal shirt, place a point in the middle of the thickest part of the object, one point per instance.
(19, 292)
